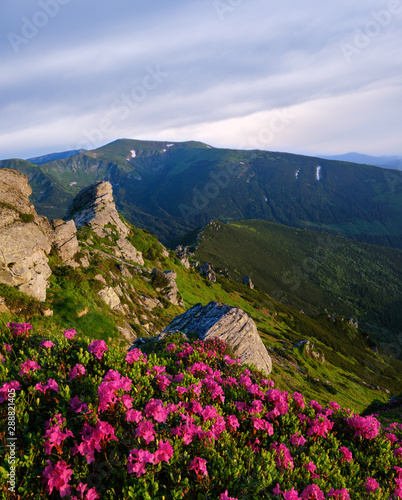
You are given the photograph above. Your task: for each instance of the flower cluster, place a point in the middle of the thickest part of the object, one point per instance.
(187, 423)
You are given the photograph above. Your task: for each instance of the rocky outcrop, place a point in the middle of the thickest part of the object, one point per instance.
(65, 240)
(24, 245)
(308, 348)
(181, 254)
(206, 270)
(94, 206)
(230, 324)
(172, 295)
(110, 297)
(247, 281)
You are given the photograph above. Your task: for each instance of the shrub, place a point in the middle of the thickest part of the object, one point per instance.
(190, 422)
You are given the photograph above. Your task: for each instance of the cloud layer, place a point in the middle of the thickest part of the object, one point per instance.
(293, 76)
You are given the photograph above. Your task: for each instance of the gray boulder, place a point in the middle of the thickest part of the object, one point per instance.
(94, 206)
(24, 245)
(230, 324)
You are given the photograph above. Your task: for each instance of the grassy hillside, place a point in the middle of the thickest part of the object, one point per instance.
(171, 189)
(313, 271)
(346, 370)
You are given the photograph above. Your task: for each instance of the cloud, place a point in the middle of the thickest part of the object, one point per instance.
(234, 67)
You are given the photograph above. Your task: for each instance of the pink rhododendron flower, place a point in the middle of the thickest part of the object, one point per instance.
(371, 485)
(346, 453)
(312, 492)
(314, 404)
(6, 387)
(77, 405)
(320, 427)
(92, 437)
(297, 439)
(27, 366)
(146, 430)
(391, 438)
(291, 494)
(261, 424)
(54, 434)
(225, 496)
(48, 344)
(133, 416)
(135, 355)
(199, 466)
(164, 452)
(70, 334)
(98, 348)
(19, 329)
(50, 385)
(90, 495)
(156, 410)
(2, 358)
(107, 390)
(341, 494)
(283, 457)
(367, 427)
(8, 347)
(57, 477)
(310, 467)
(398, 452)
(232, 422)
(76, 371)
(334, 406)
(137, 460)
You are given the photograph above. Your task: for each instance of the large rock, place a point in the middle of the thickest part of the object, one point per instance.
(207, 271)
(172, 295)
(94, 206)
(230, 324)
(24, 245)
(65, 240)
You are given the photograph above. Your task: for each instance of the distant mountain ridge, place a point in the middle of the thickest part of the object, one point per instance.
(40, 160)
(391, 162)
(173, 188)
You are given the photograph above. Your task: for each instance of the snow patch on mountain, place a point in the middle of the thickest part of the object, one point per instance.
(318, 173)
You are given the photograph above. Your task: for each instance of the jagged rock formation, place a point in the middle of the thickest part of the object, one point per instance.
(308, 348)
(206, 270)
(172, 293)
(65, 240)
(24, 244)
(94, 206)
(247, 281)
(230, 324)
(181, 254)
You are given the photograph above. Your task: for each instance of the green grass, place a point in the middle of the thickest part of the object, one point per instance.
(312, 271)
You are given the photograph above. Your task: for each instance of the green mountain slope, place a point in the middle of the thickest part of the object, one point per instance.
(313, 271)
(349, 369)
(172, 189)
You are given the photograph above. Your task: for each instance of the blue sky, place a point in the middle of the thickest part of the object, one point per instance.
(307, 77)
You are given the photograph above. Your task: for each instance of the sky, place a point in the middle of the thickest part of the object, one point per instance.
(307, 77)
